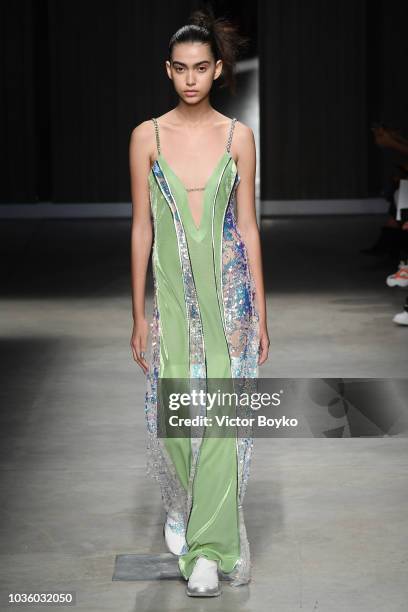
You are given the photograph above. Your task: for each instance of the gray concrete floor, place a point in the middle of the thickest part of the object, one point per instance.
(327, 518)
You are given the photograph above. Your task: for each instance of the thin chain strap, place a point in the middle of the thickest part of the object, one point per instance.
(230, 133)
(156, 128)
(233, 121)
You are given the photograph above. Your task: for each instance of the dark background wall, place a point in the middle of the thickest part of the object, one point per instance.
(75, 77)
(327, 71)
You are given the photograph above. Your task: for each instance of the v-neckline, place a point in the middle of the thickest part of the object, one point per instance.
(198, 229)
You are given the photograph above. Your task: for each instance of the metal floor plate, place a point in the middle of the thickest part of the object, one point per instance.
(159, 566)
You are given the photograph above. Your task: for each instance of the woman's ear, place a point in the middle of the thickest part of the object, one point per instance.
(218, 69)
(168, 68)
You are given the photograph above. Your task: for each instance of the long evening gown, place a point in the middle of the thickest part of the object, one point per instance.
(205, 324)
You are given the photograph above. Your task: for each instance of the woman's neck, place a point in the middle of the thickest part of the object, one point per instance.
(194, 115)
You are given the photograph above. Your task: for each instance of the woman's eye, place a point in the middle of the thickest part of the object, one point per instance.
(200, 69)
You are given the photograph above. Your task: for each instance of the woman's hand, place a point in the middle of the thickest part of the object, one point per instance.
(263, 344)
(138, 342)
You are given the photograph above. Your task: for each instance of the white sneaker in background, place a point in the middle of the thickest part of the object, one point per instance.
(400, 277)
(401, 318)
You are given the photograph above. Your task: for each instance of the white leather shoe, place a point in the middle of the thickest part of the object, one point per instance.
(203, 581)
(174, 534)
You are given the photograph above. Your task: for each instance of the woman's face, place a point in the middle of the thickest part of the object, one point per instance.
(193, 69)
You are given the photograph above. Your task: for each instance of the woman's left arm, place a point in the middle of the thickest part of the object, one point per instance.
(247, 224)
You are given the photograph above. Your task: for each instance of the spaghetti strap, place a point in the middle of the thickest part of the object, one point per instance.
(233, 120)
(156, 127)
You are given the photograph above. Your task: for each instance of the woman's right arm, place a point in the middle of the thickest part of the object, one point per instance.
(141, 235)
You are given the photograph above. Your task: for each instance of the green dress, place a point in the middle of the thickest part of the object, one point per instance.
(205, 325)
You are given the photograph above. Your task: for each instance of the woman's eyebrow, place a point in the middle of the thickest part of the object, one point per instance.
(196, 64)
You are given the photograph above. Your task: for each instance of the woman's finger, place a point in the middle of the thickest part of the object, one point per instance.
(139, 352)
(264, 348)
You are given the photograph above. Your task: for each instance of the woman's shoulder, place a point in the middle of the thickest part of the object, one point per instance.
(243, 139)
(143, 134)
(242, 129)
(142, 129)
(142, 139)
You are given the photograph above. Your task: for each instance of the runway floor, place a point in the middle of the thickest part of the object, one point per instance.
(326, 518)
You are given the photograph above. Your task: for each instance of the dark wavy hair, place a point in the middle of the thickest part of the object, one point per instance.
(220, 33)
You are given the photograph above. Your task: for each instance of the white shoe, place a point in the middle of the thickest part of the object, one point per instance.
(401, 318)
(175, 534)
(203, 581)
(400, 277)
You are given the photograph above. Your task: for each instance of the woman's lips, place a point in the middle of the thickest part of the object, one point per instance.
(191, 93)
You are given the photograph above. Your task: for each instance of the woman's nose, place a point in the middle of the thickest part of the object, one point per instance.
(190, 78)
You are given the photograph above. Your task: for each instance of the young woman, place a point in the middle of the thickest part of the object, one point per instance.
(193, 170)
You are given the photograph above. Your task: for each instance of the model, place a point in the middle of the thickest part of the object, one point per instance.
(193, 190)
